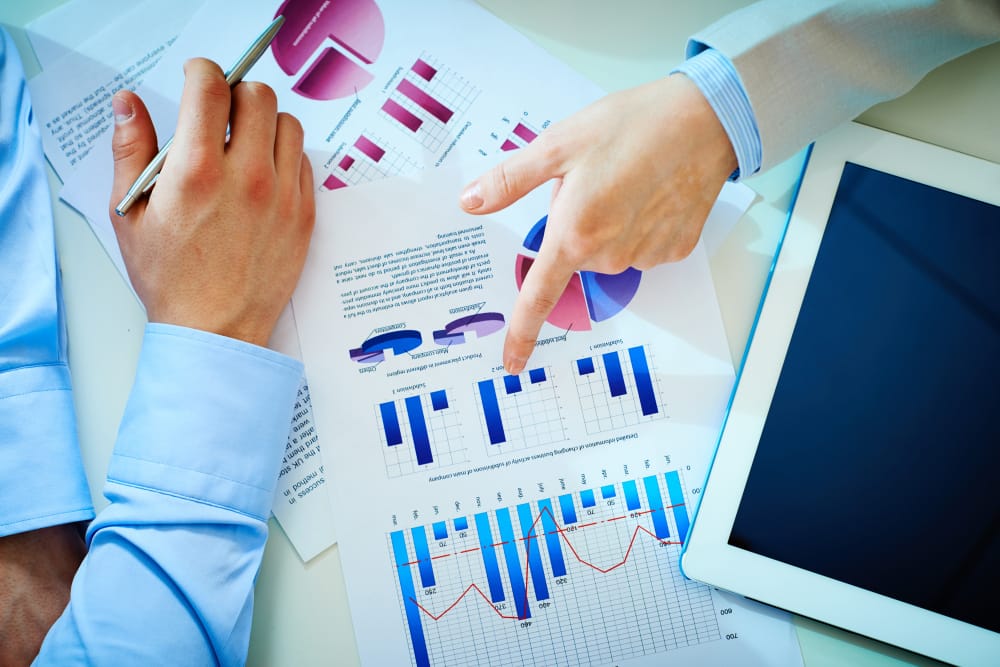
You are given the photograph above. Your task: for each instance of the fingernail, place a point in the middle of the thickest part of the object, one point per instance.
(514, 365)
(122, 109)
(472, 198)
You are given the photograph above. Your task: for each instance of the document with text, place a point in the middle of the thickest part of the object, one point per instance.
(381, 89)
(487, 518)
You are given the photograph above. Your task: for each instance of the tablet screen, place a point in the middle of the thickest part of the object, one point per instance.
(879, 461)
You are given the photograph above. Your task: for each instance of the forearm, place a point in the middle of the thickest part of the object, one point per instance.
(809, 66)
(173, 558)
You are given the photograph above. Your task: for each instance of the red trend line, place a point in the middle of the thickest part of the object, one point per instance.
(527, 569)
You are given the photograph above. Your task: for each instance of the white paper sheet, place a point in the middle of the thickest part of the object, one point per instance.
(72, 96)
(454, 484)
(498, 88)
(67, 29)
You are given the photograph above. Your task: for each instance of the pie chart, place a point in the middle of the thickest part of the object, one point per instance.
(589, 296)
(373, 350)
(355, 26)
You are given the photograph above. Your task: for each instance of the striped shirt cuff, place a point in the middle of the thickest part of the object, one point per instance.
(720, 83)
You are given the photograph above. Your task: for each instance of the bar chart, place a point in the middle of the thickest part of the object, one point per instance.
(420, 432)
(617, 389)
(522, 135)
(520, 411)
(580, 578)
(369, 158)
(428, 101)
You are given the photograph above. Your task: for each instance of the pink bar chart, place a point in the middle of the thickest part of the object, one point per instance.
(522, 135)
(428, 100)
(369, 158)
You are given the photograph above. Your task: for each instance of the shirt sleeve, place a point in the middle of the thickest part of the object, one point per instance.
(42, 481)
(808, 65)
(173, 559)
(720, 83)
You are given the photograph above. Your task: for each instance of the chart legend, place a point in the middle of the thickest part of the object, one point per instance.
(420, 432)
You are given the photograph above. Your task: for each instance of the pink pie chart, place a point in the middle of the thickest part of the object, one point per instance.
(356, 27)
(589, 297)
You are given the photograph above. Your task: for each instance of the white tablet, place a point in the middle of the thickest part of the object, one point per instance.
(857, 477)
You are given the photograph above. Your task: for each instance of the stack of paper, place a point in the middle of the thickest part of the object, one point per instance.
(482, 516)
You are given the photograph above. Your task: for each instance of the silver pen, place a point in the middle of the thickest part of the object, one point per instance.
(144, 183)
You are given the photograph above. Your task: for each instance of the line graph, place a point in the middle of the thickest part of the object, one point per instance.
(579, 578)
(559, 531)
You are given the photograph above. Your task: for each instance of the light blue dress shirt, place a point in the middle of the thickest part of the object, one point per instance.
(41, 475)
(720, 83)
(171, 565)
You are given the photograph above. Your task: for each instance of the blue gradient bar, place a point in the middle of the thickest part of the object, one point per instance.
(568, 510)
(608, 491)
(587, 498)
(680, 506)
(585, 366)
(660, 526)
(409, 599)
(423, 556)
(511, 384)
(461, 523)
(643, 382)
(613, 366)
(440, 530)
(489, 557)
(390, 423)
(439, 400)
(491, 410)
(533, 547)
(552, 538)
(536, 375)
(631, 495)
(517, 586)
(418, 429)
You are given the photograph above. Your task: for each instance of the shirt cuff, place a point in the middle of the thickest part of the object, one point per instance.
(41, 473)
(721, 85)
(207, 419)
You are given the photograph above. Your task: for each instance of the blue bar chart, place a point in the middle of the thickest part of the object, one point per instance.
(520, 411)
(523, 575)
(617, 389)
(420, 432)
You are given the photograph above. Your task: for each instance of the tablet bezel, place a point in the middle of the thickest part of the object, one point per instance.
(708, 557)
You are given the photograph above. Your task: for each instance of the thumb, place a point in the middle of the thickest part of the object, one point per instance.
(133, 145)
(513, 178)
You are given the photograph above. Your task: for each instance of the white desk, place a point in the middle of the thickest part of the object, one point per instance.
(301, 615)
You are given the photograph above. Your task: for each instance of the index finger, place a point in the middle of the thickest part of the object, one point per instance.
(204, 109)
(541, 291)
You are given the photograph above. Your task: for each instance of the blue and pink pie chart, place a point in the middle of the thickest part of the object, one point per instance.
(589, 297)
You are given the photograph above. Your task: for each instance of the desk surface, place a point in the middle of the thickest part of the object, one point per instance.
(301, 614)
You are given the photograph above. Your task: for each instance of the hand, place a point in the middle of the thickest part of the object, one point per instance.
(221, 240)
(36, 571)
(636, 175)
